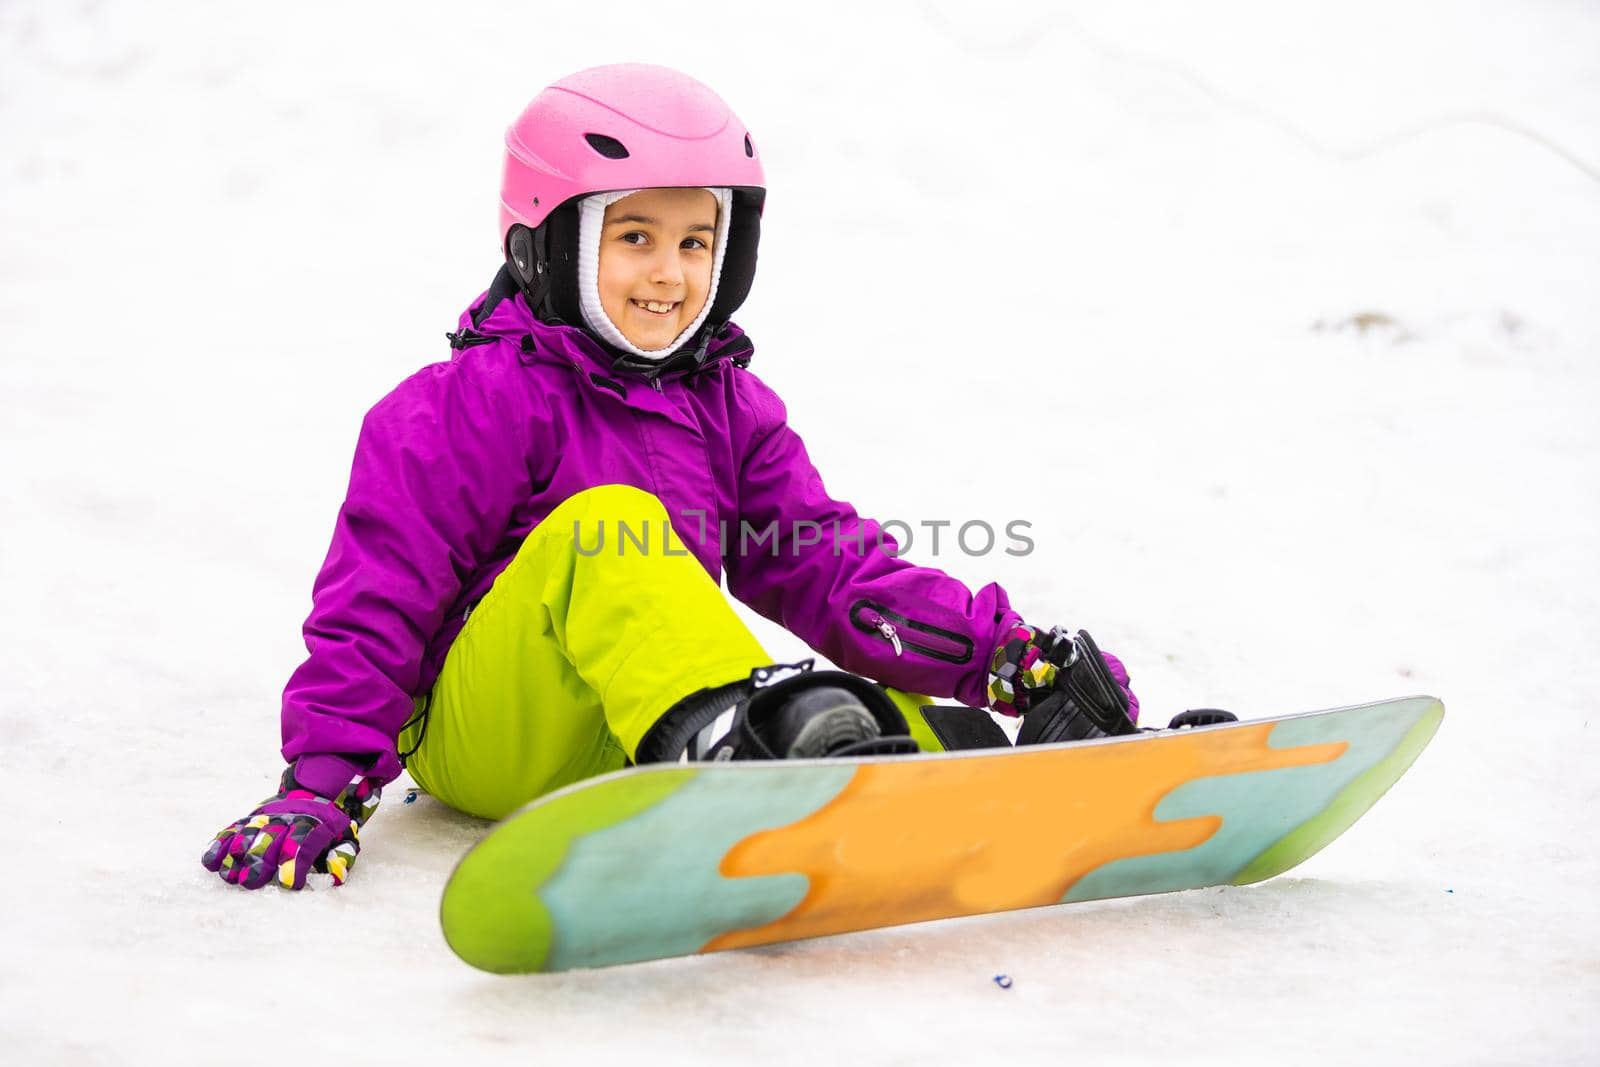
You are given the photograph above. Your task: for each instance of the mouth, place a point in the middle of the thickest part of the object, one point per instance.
(658, 308)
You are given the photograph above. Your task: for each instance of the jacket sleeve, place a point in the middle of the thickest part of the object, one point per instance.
(440, 466)
(811, 564)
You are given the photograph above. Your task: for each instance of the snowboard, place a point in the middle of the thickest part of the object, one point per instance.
(676, 859)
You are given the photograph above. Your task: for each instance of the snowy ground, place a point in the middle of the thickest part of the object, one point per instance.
(1301, 296)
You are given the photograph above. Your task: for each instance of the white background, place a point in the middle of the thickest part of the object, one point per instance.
(1100, 267)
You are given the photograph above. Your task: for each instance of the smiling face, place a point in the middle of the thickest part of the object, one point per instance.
(655, 263)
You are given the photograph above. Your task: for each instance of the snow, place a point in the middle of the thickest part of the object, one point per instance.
(1277, 322)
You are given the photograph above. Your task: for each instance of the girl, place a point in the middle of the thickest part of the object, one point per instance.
(522, 589)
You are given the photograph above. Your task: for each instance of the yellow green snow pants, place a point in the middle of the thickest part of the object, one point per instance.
(574, 654)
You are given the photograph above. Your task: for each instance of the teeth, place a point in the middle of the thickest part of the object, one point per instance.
(652, 305)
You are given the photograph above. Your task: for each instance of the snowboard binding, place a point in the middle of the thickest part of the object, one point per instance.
(1188, 720)
(784, 711)
(1086, 701)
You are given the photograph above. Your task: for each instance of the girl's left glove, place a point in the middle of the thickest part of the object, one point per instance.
(294, 833)
(1027, 670)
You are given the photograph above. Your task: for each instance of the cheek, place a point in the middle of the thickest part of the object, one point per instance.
(612, 282)
(700, 272)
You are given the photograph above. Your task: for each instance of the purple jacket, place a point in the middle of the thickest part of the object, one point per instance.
(455, 466)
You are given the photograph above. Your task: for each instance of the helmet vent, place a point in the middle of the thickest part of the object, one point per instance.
(749, 149)
(609, 147)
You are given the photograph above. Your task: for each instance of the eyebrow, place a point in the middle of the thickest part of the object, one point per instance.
(646, 220)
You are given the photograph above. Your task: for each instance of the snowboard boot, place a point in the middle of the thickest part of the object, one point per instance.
(1086, 702)
(806, 714)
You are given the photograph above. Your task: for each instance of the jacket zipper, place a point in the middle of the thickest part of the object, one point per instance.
(903, 633)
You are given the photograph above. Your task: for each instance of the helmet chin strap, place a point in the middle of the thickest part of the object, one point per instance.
(686, 356)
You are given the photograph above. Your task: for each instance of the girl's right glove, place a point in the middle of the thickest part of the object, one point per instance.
(293, 833)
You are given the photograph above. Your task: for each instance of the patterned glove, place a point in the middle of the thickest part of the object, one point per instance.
(1026, 668)
(293, 833)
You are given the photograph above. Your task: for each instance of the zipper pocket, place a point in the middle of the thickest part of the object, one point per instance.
(905, 633)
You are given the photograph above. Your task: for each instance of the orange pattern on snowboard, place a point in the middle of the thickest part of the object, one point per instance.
(892, 847)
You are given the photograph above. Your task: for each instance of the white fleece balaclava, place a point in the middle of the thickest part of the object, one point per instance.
(591, 220)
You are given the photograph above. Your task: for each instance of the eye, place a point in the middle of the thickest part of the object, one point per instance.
(633, 237)
(694, 242)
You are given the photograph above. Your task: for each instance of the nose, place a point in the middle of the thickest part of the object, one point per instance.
(667, 268)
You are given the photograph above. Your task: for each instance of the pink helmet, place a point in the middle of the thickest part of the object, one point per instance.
(624, 126)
